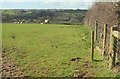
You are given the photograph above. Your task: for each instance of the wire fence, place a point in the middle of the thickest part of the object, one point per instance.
(107, 42)
(118, 49)
(100, 36)
(116, 46)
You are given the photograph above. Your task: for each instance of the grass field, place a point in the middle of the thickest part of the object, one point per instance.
(50, 50)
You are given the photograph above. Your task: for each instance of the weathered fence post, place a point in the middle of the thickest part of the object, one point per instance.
(111, 46)
(96, 25)
(92, 45)
(113, 49)
(104, 39)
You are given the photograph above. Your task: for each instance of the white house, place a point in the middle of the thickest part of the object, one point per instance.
(46, 21)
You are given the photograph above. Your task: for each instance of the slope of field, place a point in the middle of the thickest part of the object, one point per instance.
(49, 50)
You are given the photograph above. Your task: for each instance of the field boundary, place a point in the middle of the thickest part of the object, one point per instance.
(107, 42)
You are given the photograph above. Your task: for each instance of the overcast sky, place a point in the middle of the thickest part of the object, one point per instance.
(46, 4)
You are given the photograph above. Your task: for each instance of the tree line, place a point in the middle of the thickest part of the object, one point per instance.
(38, 16)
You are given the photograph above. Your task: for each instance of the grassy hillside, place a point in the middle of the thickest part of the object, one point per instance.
(50, 51)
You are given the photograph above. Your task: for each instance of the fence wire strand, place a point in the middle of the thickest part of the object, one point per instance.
(100, 36)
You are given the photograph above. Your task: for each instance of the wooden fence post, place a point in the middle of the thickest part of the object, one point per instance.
(92, 45)
(104, 39)
(116, 46)
(96, 25)
(111, 46)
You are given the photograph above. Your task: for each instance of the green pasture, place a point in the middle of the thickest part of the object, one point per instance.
(53, 50)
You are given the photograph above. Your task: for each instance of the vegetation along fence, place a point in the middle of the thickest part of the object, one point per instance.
(107, 42)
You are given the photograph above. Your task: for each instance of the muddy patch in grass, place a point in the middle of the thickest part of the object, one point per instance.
(87, 64)
(11, 68)
(77, 59)
(80, 74)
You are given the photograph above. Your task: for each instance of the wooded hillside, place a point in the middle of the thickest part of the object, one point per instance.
(38, 16)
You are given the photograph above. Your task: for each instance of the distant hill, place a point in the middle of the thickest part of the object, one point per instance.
(38, 16)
